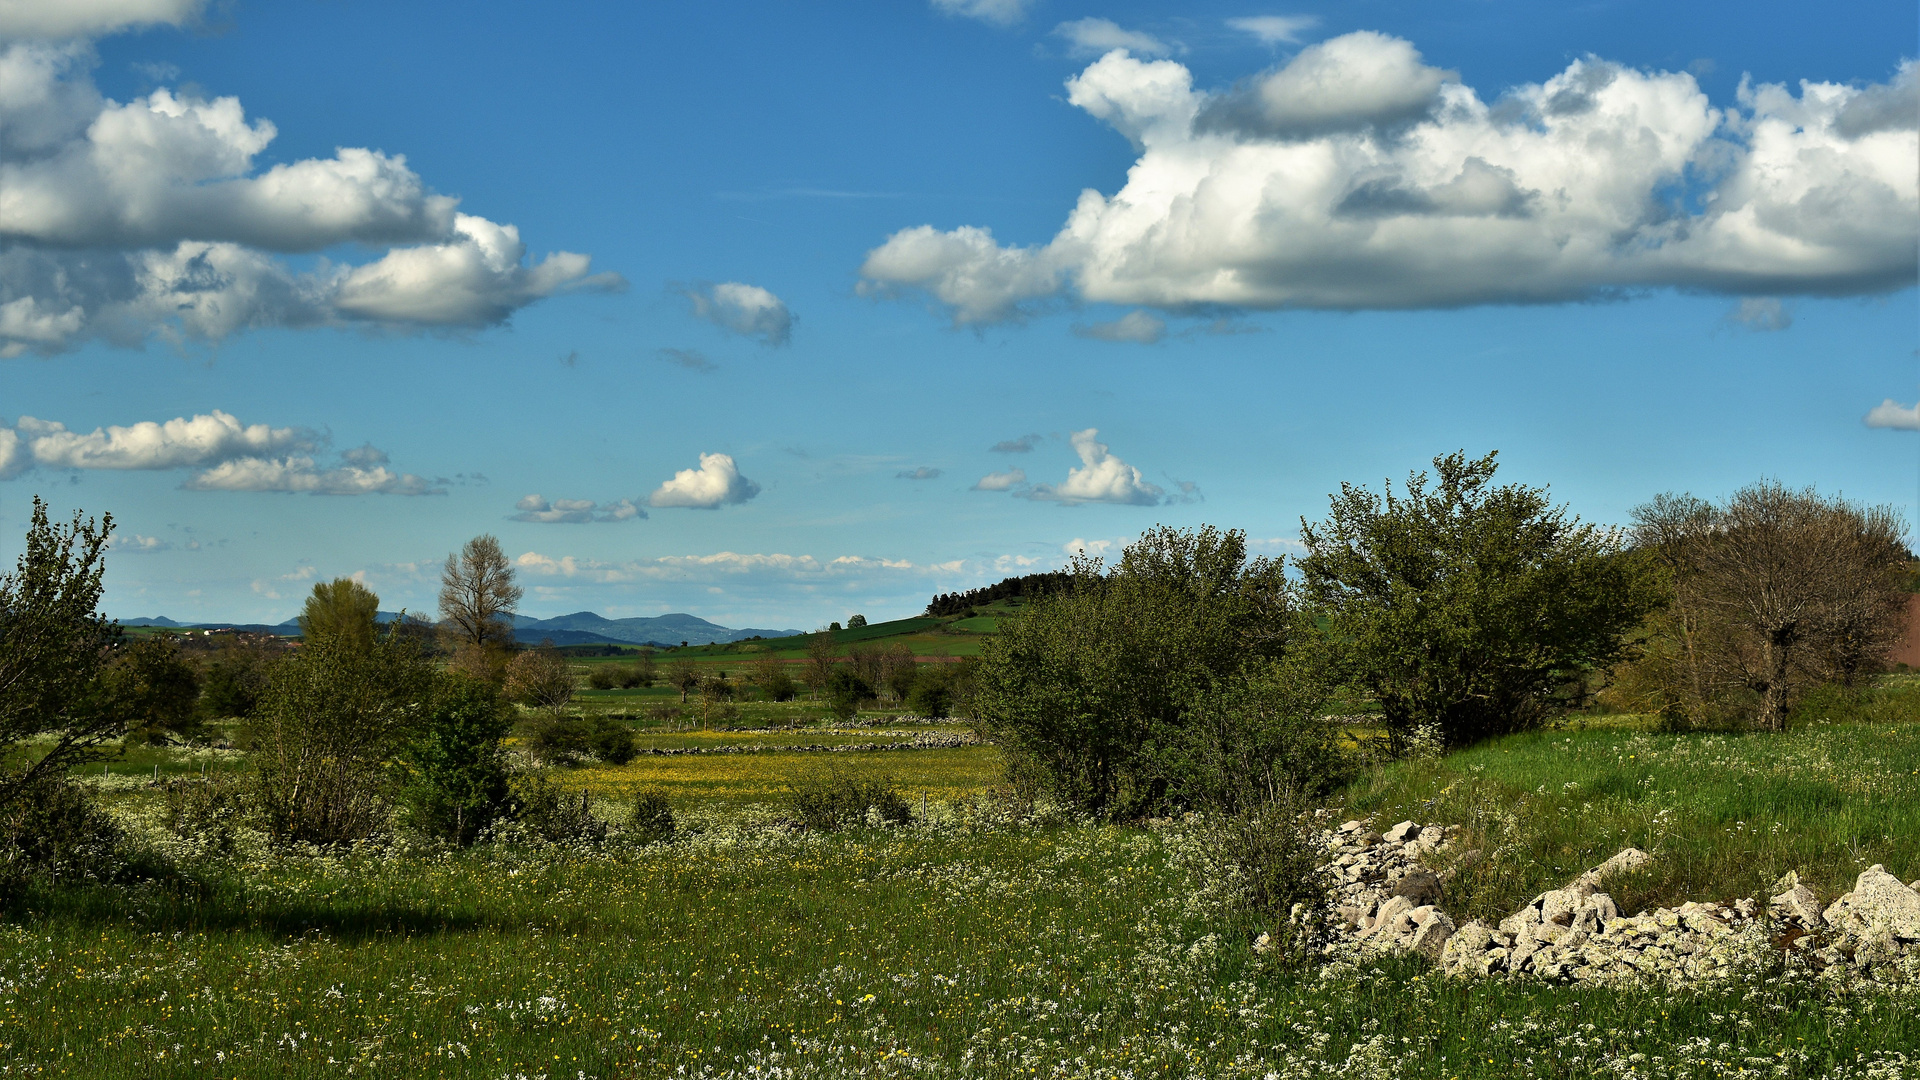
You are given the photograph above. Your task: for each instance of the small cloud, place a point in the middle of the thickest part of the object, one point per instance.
(1001, 481)
(535, 508)
(572, 359)
(716, 483)
(366, 455)
(1702, 67)
(1095, 37)
(1022, 445)
(1892, 414)
(1102, 478)
(747, 310)
(921, 473)
(1275, 29)
(1096, 548)
(1135, 326)
(691, 359)
(135, 543)
(1186, 491)
(997, 12)
(1761, 313)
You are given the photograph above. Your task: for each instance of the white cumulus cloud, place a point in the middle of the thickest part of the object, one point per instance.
(89, 18)
(170, 444)
(536, 508)
(1092, 37)
(1101, 478)
(1892, 414)
(997, 12)
(1356, 176)
(748, 310)
(153, 217)
(716, 483)
(230, 455)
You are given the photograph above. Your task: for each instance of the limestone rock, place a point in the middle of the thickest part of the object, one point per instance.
(1878, 900)
(1430, 940)
(1403, 832)
(1625, 862)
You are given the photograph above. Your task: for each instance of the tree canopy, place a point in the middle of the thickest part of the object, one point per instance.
(1470, 609)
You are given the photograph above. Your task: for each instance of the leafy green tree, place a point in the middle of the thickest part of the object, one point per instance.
(53, 644)
(341, 608)
(332, 723)
(1093, 685)
(1468, 609)
(233, 681)
(684, 676)
(459, 780)
(845, 691)
(855, 622)
(154, 688)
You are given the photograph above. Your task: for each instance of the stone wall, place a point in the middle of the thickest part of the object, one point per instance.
(1384, 898)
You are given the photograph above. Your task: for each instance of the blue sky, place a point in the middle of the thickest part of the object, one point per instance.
(825, 257)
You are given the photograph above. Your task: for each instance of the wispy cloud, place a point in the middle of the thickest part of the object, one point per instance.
(691, 359)
(1275, 29)
(535, 508)
(921, 473)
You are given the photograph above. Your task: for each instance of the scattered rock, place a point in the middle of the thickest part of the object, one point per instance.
(1879, 905)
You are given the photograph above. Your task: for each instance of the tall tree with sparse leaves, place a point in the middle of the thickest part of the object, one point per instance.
(477, 603)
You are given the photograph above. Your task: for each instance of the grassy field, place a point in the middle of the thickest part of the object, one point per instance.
(968, 944)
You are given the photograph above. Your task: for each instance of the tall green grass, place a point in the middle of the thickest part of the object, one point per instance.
(1725, 815)
(1008, 952)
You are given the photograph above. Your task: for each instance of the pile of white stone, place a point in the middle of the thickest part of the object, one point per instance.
(1386, 900)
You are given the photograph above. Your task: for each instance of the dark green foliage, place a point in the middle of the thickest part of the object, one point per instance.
(856, 622)
(554, 816)
(1250, 741)
(930, 697)
(1093, 686)
(831, 800)
(604, 676)
(652, 820)
(155, 690)
(458, 781)
(233, 682)
(334, 719)
(779, 687)
(1030, 586)
(567, 739)
(845, 692)
(53, 832)
(53, 644)
(1471, 610)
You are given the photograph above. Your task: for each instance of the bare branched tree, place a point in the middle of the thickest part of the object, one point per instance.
(477, 602)
(1774, 591)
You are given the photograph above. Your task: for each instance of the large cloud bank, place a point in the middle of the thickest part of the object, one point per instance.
(1357, 176)
(229, 455)
(125, 220)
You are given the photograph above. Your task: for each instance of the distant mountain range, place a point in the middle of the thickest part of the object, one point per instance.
(579, 628)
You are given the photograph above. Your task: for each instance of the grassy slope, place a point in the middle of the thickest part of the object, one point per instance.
(1725, 815)
(927, 636)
